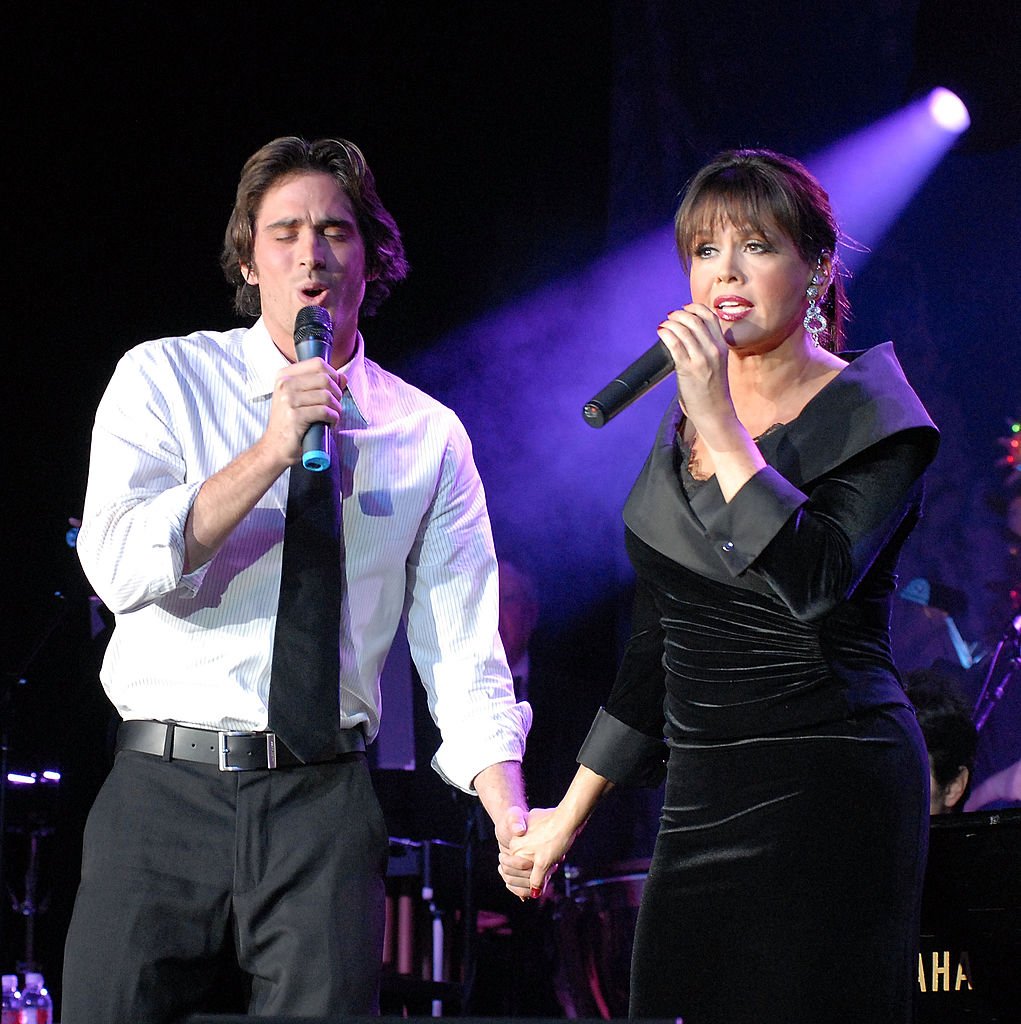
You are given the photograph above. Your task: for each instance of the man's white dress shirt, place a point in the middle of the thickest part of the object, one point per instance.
(196, 649)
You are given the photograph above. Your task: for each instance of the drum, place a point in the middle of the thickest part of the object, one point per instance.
(595, 927)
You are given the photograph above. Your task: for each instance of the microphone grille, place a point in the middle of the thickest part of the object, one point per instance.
(313, 322)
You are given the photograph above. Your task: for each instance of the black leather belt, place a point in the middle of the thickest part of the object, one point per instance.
(229, 751)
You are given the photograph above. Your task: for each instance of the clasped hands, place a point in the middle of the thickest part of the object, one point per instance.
(528, 860)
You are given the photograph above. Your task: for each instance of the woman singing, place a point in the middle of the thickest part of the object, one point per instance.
(764, 531)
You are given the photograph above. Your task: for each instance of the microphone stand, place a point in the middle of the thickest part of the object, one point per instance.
(1007, 650)
(473, 838)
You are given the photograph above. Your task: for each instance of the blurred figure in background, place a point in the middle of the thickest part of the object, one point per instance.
(945, 718)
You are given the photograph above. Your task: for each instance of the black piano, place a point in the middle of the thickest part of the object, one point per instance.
(969, 968)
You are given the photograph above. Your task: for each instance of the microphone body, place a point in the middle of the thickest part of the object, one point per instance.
(642, 375)
(313, 336)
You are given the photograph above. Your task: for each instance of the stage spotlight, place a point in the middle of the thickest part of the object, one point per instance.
(948, 110)
(972, 47)
(872, 175)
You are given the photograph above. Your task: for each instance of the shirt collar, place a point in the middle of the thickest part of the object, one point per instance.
(264, 360)
(358, 382)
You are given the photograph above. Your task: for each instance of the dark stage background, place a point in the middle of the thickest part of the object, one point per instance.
(523, 149)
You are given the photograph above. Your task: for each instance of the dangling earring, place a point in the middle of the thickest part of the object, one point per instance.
(815, 321)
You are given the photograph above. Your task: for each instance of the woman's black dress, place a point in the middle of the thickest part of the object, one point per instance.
(786, 878)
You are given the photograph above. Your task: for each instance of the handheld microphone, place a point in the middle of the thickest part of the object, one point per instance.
(313, 336)
(641, 376)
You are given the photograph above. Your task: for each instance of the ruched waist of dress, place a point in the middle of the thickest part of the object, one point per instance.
(747, 667)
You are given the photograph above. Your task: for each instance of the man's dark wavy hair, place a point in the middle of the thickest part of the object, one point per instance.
(343, 161)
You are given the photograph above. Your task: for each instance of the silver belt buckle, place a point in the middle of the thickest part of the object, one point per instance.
(222, 750)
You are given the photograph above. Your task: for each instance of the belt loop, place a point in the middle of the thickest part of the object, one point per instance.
(168, 743)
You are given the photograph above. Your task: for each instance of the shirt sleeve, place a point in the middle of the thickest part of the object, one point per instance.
(452, 627)
(814, 546)
(131, 543)
(625, 743)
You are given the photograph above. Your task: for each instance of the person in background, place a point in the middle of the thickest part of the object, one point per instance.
(519, 615)
(998, 697)
(950, 738)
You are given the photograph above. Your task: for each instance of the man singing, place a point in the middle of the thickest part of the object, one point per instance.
(239, 819)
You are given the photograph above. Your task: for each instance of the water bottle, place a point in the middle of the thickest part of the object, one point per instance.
(36, 1005)
(10, 1004)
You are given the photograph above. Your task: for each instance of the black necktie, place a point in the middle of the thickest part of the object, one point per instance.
(304, 700)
